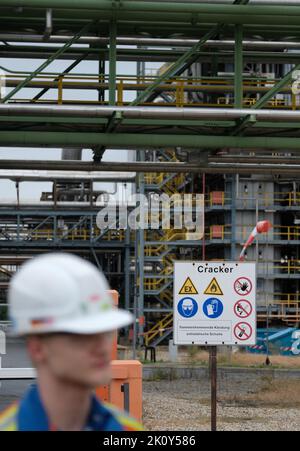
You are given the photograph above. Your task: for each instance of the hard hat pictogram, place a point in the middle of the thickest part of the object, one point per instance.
(188, 287)
(213, 288)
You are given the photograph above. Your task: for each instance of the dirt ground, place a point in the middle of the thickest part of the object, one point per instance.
(197, 356)
(261, 405)
(244, 404)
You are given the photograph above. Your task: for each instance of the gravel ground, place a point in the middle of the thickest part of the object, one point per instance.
(185, 405)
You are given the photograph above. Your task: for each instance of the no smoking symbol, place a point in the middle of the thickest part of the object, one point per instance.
(243, 308)
(242, 331)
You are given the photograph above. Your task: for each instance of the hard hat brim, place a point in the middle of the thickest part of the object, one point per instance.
(104, 322)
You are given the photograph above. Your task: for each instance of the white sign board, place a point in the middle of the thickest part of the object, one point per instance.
(214, 303)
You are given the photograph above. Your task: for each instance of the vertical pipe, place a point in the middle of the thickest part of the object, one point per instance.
(203, 239)
(101, 92)
(127, 268)
(233, 218)
(18, 227)
(256, 221)
(112, 62)
(238, 67)
(55, 228)
(141, 254)
(55, 194)
(135, 295)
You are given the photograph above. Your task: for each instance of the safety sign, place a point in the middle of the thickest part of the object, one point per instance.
(243, 331)
(214, 288)
(188, 287)
(187, 307)
(214, 303)
(243, 286)
(243, 308)
(213, 308)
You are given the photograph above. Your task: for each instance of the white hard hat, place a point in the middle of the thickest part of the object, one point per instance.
(62, 293)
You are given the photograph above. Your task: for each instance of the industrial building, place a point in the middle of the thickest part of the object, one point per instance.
(218, 116)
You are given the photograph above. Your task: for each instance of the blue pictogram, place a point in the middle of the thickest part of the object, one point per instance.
(187, 307)
(213, 308)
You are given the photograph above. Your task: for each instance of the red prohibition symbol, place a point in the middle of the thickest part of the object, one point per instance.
(242, 286)
(243, 308)
(242, 331)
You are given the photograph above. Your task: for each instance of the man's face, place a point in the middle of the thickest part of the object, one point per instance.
(74, 358)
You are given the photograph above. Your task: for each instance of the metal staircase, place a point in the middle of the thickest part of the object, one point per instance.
(158, 285)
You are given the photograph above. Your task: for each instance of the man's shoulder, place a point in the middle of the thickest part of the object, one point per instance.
(129, 423)
(8, 418)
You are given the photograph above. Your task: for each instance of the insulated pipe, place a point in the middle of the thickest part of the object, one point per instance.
(154, 167)
(147, 56)
(151, 42)
(48, 29)
(45, 175)
(41, 204)
(147, 112)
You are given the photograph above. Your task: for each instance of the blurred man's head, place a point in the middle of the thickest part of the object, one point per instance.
(62, 304)
(77, 359)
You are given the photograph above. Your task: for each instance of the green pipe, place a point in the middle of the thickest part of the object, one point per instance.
(145, 52)
(141, 11)
(159, 22)
(125, 140)
(130, 6)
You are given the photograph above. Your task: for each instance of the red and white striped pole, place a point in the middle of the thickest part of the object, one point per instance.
(261, 227)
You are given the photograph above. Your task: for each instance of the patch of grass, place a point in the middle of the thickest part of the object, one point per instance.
(273, 393)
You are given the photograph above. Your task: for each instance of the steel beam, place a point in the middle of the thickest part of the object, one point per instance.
(65, 72)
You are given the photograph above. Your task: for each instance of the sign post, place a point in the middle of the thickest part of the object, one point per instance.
(213, 391)
(214, 305)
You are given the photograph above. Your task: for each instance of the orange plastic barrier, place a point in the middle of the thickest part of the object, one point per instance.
(126, 376)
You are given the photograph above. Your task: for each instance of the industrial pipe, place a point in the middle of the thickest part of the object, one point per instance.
(151, 42)
(60, 175)
(155, 6)
(145, 12)
(153, 167)
(141, 112)
(135, 140)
